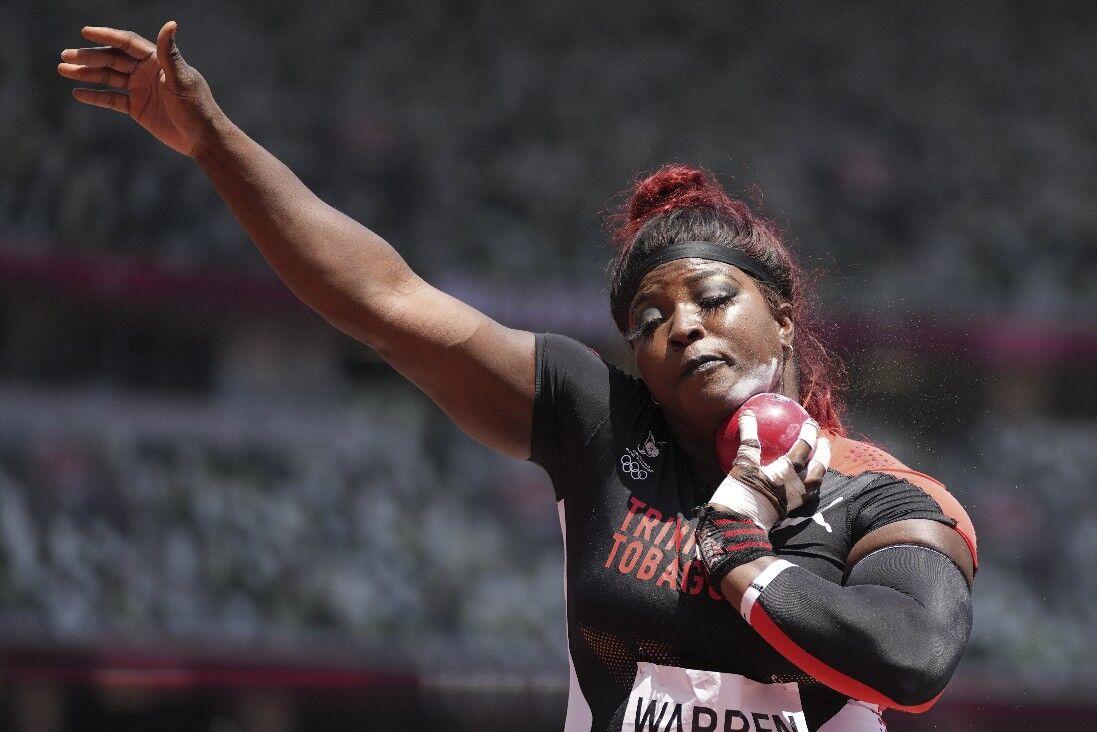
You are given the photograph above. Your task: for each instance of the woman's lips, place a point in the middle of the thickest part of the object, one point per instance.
(704, 367)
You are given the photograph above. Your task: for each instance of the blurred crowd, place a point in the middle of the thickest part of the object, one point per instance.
(932, 161)
(151, 519)
(1032, 486)
(379, 524)
(899, 146)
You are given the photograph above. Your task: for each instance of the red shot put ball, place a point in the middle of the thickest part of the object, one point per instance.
(779, 421)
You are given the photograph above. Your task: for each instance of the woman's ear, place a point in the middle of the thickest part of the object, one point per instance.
(786, 334)
(786, 329)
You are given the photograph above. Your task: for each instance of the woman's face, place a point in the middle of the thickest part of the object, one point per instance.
(705, 339)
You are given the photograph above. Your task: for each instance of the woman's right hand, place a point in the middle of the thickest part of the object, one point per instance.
(768, 493)
(149, 82)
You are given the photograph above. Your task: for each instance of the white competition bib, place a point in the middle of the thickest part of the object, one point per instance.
(671, 699)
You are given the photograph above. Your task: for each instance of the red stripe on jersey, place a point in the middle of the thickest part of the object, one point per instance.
(832, 677)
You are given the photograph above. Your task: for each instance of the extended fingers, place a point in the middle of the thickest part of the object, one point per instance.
(786, 471)
(100, 57)
(792, 464)
(819, 462)
(135, 46)
(92, 75)
(781, 472)
(798, 455)
(750, 448)
(108, 99)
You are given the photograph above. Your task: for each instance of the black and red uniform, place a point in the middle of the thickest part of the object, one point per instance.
(639, 606)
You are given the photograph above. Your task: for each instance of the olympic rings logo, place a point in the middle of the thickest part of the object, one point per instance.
(634, 468)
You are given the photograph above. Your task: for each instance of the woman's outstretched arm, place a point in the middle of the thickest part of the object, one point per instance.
(478, 371)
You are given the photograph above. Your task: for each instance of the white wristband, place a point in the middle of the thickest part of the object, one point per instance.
(742, 499)
(759, 584)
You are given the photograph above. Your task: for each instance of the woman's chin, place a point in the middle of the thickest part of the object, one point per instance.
(758, 380)
(717, 396)
(725, 391)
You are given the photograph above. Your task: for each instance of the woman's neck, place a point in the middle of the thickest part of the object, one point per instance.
(698, 442)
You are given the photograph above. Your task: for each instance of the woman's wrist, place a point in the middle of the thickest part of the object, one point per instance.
(736, 496)
(727, 540)
(736, 582)
(214, 140)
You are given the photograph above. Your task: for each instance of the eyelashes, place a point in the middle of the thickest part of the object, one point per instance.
(639, 332)
(708, 305)
(642, 331)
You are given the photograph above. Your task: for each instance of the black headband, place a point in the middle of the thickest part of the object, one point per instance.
(700, 250)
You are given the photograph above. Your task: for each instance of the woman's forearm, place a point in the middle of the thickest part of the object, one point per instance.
(892, 635)
(335, 265)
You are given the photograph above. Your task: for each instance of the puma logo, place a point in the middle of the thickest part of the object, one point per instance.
(817, 517)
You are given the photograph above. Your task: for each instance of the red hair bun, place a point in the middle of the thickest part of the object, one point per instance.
(667, 189)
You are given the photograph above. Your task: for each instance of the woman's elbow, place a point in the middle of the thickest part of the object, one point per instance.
(917, 670)
(915, 688)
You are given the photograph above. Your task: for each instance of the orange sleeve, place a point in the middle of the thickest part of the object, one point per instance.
(851, 457)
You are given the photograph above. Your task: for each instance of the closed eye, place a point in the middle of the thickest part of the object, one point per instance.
(643, 330)
(714, 303)
(708, 305)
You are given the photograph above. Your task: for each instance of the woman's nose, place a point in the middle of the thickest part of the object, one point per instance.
(686, 326)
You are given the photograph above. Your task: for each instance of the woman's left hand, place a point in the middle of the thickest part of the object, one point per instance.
(787, 483)
(148, 81)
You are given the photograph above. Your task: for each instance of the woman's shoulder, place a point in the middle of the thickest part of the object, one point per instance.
(583, 366)
(578, 391)
(853, 458)
(583, 407)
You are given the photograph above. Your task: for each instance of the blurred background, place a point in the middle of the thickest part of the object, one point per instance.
(212, 504)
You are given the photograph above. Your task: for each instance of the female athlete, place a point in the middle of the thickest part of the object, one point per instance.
(807, 594)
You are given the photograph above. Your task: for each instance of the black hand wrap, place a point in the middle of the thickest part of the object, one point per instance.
(728, 540)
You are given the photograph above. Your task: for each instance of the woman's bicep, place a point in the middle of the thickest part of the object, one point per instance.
(481, 373)
(919, 532)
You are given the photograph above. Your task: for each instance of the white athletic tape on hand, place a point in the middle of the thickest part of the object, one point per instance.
(748, 426)
(748, 432)
(783, 473)
(809, 431)
(821, 458)
(780, 471)
(744, 500)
